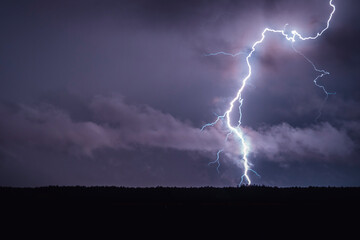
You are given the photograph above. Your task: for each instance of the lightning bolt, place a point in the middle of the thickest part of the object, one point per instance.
(225, 53)
(217, 161)
(237, 130)
(322, 73)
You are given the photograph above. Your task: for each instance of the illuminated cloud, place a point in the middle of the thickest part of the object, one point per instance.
(321, 142)
(116, 125)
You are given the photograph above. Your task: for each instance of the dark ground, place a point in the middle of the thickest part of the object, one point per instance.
(168, 199)
(162, 198)
(197, 207)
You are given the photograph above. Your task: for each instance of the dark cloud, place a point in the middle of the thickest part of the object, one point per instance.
(117, 125)
(62, 60)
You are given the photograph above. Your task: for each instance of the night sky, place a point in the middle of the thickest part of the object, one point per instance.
(116, 92)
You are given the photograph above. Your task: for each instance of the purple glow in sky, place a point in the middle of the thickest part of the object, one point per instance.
(115, 93)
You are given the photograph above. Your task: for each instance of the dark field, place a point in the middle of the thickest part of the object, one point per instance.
(299, 208)
(167, 198)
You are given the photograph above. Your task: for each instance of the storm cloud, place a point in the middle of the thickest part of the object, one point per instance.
(116, 92)
(116, 125)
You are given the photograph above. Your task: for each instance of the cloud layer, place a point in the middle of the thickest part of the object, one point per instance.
(285, 143)
(118, 125)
